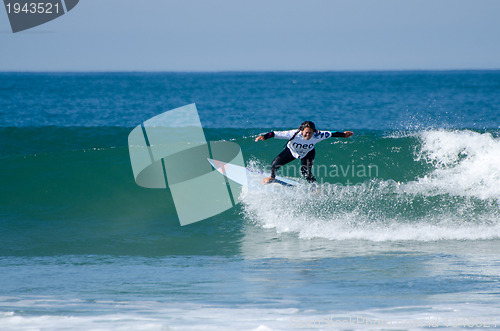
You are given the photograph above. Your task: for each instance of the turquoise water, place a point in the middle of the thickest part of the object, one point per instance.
(404, 232)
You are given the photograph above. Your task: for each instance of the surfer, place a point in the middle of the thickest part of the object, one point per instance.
(300, 145)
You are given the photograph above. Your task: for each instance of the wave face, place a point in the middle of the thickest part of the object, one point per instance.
(72, 190)
(425, 186)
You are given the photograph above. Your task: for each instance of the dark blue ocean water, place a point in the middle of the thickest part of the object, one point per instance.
(358, 100)
(403, 235)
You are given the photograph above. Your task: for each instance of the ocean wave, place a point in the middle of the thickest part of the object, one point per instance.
(75, 185)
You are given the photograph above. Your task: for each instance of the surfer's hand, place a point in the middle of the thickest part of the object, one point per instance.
(347, 134)
(259, 138)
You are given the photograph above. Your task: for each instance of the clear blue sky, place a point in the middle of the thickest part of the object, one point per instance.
(219, 35)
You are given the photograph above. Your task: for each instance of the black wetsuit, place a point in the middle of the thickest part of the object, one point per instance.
(299, 148)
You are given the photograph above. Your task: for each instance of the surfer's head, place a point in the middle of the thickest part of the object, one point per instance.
(308, 129)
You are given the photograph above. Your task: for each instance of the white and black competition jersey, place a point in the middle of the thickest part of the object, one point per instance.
(299, 146)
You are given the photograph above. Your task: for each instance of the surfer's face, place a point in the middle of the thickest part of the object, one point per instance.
(307, 133)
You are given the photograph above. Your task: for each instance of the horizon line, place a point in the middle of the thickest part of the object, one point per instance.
(250, 71)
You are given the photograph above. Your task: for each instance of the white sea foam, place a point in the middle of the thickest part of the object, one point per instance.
(157, 316)
(467, 164)
(139, 315)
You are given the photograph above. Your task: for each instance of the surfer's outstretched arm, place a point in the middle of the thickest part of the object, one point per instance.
(345, 134)
(265, 136)
(292, 133)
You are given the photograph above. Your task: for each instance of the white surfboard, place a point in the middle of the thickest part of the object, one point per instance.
(241, 174)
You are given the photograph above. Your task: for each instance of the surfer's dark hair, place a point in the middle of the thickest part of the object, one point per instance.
(307, 124)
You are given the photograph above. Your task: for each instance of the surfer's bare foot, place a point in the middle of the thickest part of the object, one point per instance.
(267, 180)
